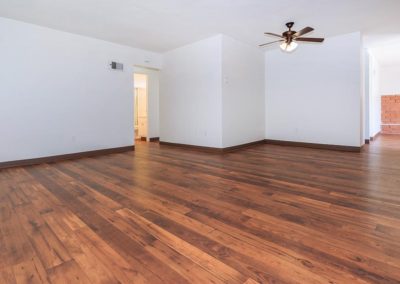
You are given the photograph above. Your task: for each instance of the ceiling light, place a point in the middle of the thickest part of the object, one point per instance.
(289, 47)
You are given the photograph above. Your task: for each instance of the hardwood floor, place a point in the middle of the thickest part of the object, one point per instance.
(267, 214)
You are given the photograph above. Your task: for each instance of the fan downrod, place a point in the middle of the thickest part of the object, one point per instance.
(290, 25)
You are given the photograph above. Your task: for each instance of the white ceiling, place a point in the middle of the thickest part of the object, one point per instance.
(161, 25)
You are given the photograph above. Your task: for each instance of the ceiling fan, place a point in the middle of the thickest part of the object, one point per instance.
(290, 37)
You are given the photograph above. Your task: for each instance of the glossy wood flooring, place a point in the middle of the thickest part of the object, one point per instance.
(267, 214)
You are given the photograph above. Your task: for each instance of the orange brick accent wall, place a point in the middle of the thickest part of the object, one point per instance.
(391, 114)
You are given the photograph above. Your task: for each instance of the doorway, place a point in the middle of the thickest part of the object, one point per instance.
(146, 90)
(141, 106)
(384, 90)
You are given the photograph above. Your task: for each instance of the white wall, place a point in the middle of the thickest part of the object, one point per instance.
(190, 94)
(374, 96)
(212, 94)
(366, 90)
(153, 103)
(58, 95)
(314, 94)
(390, 79)
(243, 111)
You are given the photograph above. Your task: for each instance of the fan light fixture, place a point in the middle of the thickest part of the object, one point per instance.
(288, 47)
(288, 39)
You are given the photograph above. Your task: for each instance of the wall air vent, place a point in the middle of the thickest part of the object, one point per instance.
(116, 66)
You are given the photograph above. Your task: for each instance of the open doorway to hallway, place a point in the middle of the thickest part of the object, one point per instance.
(146, 104)
(141, 98)
(384, 90)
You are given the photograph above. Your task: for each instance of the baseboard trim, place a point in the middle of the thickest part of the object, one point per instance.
(192, 147)
(372, 138)
(242, 146)
(314, 145)
(59, 158)
(212, 149)
(266, 141)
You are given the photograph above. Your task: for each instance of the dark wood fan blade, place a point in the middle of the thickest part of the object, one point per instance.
(272, 34)
(268, 43)
(303, 31)
(309, 39)
(261, 45)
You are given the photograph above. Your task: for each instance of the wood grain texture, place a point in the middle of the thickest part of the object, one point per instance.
(266, 214)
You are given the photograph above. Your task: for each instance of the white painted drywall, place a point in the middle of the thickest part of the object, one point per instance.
(190, 94)
(374, 96)
(243, 106)
(58, 95)
(153, 103)
(366, 90)
(314, 94)
(390, 79)
(212, 94)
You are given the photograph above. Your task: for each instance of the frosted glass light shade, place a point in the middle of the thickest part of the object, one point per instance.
(288, 47)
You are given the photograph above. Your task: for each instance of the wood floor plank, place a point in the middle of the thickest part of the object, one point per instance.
(30, 271)
(122, 268)
(213, 265)
(183, 265)
(67, 272)
(15, 247)
(144, 262)
(7, 276)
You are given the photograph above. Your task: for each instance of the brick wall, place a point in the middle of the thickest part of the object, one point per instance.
(391, 114)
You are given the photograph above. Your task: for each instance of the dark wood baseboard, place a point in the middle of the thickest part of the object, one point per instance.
(242, 146)
(375, 136)
(193, 147)
(58, 158)
(212, 149)
(266, 141)
(314, 145)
